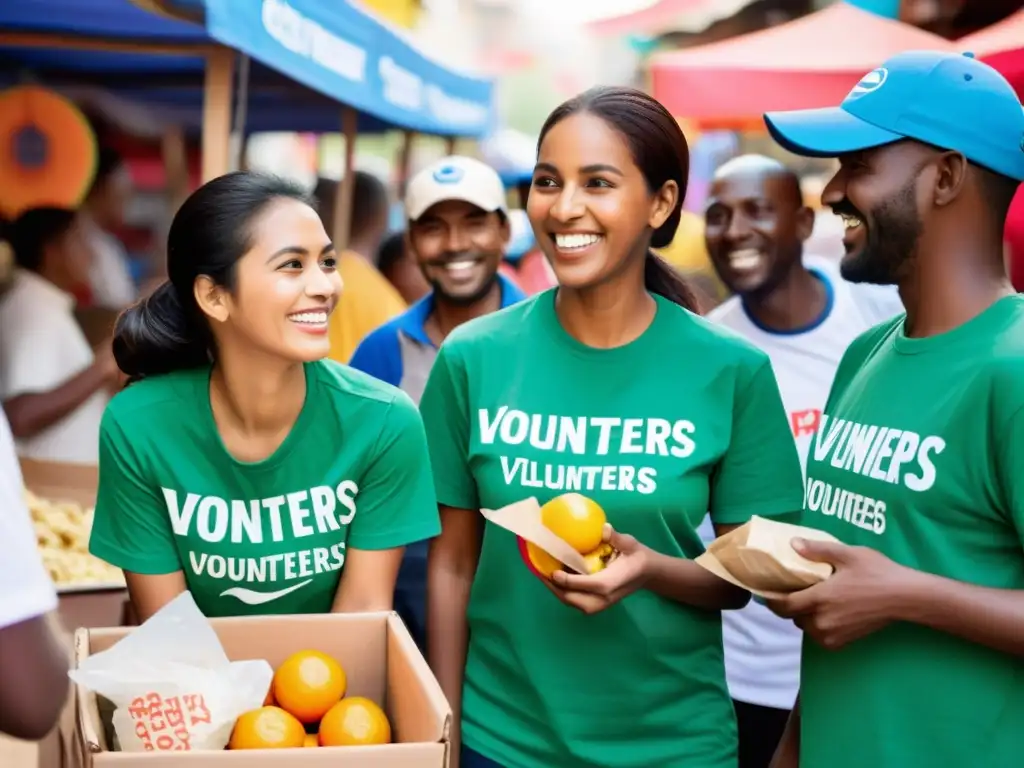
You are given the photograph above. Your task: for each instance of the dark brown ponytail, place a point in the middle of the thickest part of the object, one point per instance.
(661, 278)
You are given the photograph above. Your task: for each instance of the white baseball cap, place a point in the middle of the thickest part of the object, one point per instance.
(454, 178)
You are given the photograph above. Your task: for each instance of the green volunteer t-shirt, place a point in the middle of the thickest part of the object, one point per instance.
(270, 536)
(920, 455)
(685, 419)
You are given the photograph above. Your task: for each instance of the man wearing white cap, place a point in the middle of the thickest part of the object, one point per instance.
(458, 231)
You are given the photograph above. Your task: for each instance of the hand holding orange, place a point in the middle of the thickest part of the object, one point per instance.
(579, 522)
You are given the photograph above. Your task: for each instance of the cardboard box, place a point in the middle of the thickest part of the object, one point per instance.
(86, 605)
(57, 481)
(381, 662)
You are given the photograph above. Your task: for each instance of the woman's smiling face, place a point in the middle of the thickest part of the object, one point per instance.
(285, 286)
(590, 206)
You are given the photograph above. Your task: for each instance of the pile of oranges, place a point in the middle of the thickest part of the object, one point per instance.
(306, 707)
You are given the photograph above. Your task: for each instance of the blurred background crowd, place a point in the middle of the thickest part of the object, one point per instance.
(717, 65)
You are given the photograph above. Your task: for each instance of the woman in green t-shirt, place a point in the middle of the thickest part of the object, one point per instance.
(239, 464)
(612, 386)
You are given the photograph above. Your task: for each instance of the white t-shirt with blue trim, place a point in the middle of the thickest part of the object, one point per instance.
(762, 651)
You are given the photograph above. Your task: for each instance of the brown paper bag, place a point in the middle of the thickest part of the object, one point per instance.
(523, 519)
(759, 557)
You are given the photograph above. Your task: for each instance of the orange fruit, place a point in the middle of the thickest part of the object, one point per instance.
(308, 684)
(598, 559)
(355, 721)
(576, 520)
(543, 563)
(267, 728)
(312, 740)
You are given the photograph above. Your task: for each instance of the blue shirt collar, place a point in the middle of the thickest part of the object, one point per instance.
(412, 322)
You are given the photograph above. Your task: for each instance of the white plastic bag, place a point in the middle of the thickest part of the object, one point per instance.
(172, 684)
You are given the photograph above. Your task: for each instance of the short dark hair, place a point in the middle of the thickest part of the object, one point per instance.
(108, 161)
(369, 197)
(211, 231)
(369, 201)
(35, 229)
(390, 252)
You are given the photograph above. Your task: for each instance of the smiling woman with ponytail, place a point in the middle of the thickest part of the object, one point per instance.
(239, 464)
(610, 385)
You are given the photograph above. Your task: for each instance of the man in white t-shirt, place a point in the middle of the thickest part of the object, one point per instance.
(53, 388)
(33, 660)
(800, 311)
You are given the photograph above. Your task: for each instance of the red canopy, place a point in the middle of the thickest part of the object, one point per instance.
(810, 62)
(653, 20)
(1002, 46)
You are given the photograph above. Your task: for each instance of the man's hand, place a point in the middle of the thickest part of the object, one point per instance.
(857, 599)
(624, 575)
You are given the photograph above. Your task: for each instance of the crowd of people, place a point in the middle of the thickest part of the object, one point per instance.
(298, 431)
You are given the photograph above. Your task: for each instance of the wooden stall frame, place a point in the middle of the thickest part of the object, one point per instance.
(217, 91)
(346, 187)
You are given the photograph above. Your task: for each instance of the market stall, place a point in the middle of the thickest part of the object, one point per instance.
(810, 62)
(356, 74)
(668, 16)
(251, 65)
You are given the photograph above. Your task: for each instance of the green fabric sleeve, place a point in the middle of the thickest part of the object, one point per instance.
(395, 504)
(446, 416)
(131, 528)
(760, 471)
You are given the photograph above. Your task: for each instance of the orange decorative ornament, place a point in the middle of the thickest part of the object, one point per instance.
(48, 151)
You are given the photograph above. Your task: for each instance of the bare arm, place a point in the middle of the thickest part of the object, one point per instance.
(368, 581)
(982, 615)
(451, 566)
(686, 582)
(787, 754)
(32, 412)
(151, 593)
(34, 674)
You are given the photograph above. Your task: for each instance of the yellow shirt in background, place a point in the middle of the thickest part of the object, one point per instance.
(368, 301)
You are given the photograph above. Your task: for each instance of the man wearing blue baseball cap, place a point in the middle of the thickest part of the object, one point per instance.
(914, 647)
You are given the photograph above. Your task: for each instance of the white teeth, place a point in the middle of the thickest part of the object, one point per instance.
(459, 266)
(575, 242)
(309, 318)
(744, 258)
(850, 222)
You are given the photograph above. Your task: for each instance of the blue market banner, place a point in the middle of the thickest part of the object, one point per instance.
(343, 52)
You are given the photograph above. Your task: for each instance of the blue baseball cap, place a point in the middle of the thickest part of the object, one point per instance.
(948, 100)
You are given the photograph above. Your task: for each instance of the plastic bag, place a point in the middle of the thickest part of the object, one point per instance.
(172, 684)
